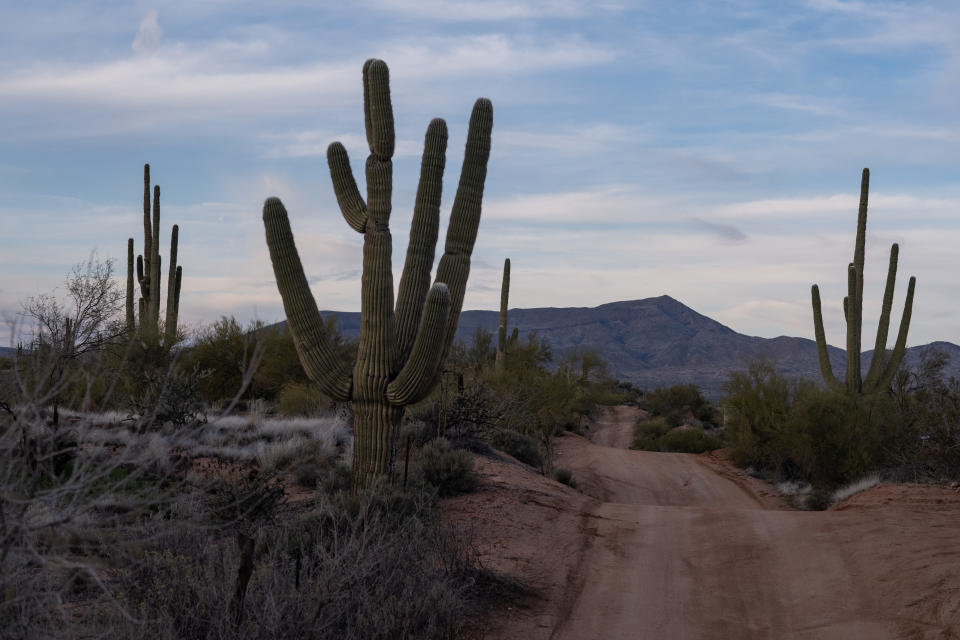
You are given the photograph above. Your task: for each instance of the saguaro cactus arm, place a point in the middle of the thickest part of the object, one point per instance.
(303, 317)
(155, 267)
(900, 347)
(854, 313)
(352, 206)
(454, 266)
(415, 280)
(415, 380)
(878, 362)
(823, 355)
(502, 326)
(143, 261)
(173, 291)
(131, 318)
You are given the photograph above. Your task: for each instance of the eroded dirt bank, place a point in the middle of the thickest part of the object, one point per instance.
(681, 546)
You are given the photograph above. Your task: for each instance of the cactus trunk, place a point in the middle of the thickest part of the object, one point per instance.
(131, 318)
(501, 362)
(401, 346)
(882, 368)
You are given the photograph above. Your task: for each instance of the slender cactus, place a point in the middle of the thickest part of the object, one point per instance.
(401, 349)
(146, 326)
(882, 367)
(502, 328)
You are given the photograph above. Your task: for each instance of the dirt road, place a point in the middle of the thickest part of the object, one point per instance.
(681, 546)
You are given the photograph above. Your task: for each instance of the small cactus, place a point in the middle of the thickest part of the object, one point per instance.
(147, 329)
(882, 368)
(401, 350)
(501, 362)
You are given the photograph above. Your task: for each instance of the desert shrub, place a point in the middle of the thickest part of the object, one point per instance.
(449, 470)
(817, 500)
(796, 429)
(373, 566)
(337, 479)
(758, 404)
(473, 445)
(169, 397)
(301, 399)
(927, 444)
(228, 349)
(647, 433)
(692, 440)
(658, 434)
(471, 410)
(674, 403)
(833, 438)
(522, 447)
(564, 476)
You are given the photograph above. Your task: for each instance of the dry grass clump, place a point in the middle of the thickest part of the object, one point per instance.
(378, 566)
(849, 490)
(272, 443)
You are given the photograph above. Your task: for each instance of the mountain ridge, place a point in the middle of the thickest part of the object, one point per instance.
(659, 341)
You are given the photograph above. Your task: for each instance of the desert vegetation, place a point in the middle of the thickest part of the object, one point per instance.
(252, 481)
(679, 419)
(794, 430)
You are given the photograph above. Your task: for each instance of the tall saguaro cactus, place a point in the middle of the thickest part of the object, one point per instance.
(501, 362)
(146, 326)
(401, 349)
(882, 368)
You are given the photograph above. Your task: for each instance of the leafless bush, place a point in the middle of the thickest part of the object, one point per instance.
(379, 566)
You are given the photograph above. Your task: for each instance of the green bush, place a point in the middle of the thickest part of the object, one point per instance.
(301, 399)
(693, 440)
(675, 402)
(523, 448)
(795, 429)
(758, 405)
(647, 433)
(658, 434)
(449, 470)
(833, 438)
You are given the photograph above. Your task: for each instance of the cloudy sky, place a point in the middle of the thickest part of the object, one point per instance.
(707, 150)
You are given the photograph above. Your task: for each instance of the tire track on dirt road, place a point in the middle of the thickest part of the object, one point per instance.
(677, 550)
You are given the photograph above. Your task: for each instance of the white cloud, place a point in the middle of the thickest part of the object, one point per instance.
(905, 206)
(808, 104)
(149, 34)
(618, 204)
(571, 140)
(495, 10)
(204, 83)
(300, 144)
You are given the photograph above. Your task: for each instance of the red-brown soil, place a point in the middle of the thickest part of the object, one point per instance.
(656, 545)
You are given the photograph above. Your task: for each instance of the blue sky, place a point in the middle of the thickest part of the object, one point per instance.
(706, 150)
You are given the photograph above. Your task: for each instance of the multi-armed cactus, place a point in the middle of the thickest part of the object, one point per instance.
(502, 328)
(400, 351)
(148, 276)
(882, 367)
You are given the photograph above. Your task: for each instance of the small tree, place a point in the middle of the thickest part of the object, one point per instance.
(77, 328)
(91, 311)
